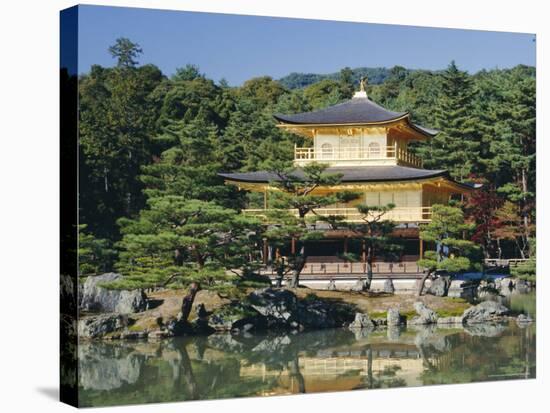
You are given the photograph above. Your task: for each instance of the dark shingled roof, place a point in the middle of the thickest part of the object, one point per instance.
(351, 174)
(429, 131)
(354, 111)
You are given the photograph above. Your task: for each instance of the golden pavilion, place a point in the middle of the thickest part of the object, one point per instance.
(368, 146)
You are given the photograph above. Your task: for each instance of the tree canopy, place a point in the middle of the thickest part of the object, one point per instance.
(149, 141)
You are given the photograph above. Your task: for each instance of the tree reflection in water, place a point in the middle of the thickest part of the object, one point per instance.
(225, 365)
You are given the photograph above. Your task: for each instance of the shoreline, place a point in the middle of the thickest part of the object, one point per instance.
(292, 310)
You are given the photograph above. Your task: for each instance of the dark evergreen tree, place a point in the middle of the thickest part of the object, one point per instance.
(295, 193)
(456, 147)
(453, 251)
(117, 121)
(178, 243)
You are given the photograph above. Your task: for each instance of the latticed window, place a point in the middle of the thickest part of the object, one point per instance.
(326, 151)
(374, 150)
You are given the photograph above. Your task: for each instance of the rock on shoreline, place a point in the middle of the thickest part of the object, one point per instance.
(264, 309)
(485, 311)
(425, 315)
(96, 298)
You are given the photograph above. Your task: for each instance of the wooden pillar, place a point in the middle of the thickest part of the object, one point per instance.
(265, 198)
(345, 245)
(265, 251)
(293, 246)
(421, 247)
(364, 255)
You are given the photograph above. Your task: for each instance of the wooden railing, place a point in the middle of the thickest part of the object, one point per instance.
(356, 154)
(398, 214)
(408, 158)
(352, 268)
(504, 262)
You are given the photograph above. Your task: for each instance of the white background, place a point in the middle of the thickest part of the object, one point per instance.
(29, 193)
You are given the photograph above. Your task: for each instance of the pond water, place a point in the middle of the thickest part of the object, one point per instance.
(225, 365)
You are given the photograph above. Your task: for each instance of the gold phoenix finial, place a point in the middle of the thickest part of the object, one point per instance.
(363, 83)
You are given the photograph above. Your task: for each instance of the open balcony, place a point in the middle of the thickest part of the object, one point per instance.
(398, 214)
(357, 156)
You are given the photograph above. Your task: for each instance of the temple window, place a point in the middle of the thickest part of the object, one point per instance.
(326, 151)
(374, 149)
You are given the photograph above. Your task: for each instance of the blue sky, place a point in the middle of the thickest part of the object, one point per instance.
(240, 47)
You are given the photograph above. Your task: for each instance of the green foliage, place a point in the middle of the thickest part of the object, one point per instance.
(447, 231)
(175, 242)
(297, 192)
(143, 135)
(189, 72)
(189, 166)
(126, 52)
(375, 233)
(527, 270)
(117, 120)
(376, 76)
(456, 146)
(95, 255)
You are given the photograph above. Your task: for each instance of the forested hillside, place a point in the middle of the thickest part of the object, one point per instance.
(146, 136)
(376, 75)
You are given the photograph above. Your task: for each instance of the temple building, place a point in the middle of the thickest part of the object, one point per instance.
(368, 146)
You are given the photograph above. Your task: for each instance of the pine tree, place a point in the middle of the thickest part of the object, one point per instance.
(189, 166)
(456, 147)
(117, 120)
(346, 83)
(515, 151)
(178, 243)
(95, 255)
(375, 234)
(297, 192)
(126, 52)
(453, 252)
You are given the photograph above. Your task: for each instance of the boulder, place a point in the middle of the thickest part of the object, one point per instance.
(522, 286)
(359, 286)
(394, 318)
(100, 325)
(99, 299)
(439, 287)
(462, 289)
(504, 284)
(388, 286)
(425, 314)
(315, 315)
(275, 304)
(280, 309)
(362, 321)
(220, 322)
(237, 317)
(523, 320)
(484, 312)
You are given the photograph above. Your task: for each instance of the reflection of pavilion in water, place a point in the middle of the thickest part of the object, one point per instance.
(225, 365)
(379, 365)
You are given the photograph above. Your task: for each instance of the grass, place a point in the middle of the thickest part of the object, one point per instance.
(446, 307)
